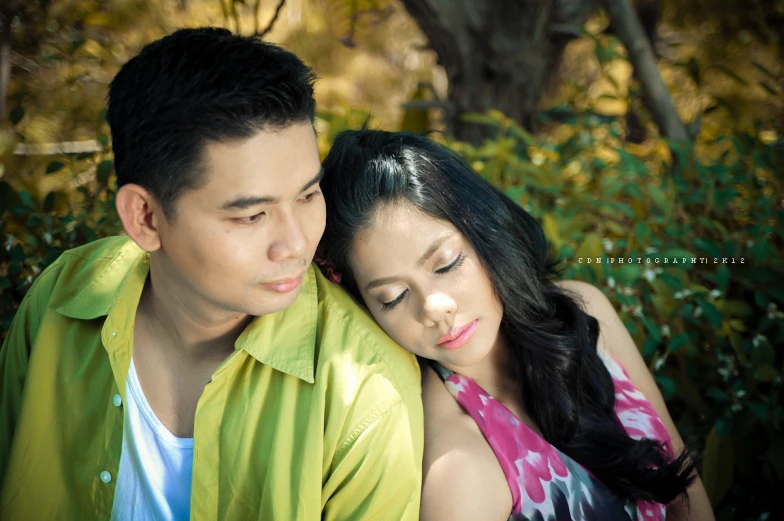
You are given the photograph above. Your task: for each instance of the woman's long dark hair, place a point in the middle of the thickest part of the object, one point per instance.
(566, 387)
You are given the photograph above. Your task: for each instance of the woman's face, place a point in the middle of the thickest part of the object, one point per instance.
(425, 286)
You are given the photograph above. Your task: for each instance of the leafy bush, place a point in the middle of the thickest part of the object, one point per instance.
(35, 231)
(711, 331)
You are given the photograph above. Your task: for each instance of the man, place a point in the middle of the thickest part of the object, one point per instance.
(201, 368)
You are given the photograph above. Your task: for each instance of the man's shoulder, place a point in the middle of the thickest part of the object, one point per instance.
(351, 341)
(78, 267)
(99, 252)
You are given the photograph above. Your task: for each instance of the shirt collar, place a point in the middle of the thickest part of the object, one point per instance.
(285, 340)
(127, 266)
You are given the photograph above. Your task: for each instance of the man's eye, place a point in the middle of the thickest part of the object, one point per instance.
(253, 219)
(312, 195)
(386, 306)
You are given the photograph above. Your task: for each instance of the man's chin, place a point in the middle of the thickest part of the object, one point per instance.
(270, 302)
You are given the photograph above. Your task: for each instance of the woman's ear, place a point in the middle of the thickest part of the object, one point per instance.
(140, 213)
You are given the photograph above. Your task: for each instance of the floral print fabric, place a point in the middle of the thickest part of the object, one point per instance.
(545, 483)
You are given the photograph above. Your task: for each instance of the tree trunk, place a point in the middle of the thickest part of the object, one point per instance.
(5, 62)
(497, 55)
(628, 27)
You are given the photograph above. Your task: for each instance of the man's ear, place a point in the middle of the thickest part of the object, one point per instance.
(140, 214)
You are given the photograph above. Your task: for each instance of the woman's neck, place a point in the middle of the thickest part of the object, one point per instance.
(495, 374)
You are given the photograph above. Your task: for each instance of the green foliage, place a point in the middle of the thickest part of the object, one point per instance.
(36, 231)
(711, 332)
(711, 329)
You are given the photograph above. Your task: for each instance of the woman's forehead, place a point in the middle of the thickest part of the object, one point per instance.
(398, 235)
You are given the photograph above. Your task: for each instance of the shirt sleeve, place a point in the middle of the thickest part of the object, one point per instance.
(379, 475)
(14, 358)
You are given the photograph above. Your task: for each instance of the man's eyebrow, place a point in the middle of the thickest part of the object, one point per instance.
(244, 202)
(422, 260)
(315, 180)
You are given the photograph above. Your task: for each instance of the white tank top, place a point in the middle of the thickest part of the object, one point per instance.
(154, 482)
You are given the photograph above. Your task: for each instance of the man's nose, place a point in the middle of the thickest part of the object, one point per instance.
(291, 241)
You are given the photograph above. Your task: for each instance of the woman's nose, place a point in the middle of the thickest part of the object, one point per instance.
(438, 310)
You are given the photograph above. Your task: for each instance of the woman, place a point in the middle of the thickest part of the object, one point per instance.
(535, 408)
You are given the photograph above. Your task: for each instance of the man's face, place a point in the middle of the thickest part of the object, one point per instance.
(243, 240)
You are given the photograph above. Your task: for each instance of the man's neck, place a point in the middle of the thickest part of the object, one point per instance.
(193, 329)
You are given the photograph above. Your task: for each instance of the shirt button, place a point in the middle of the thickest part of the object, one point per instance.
(117, 400)
(106, 477)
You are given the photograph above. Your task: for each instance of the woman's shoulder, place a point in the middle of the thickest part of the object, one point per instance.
(462, 478)
(590, 297)
(639, 402)
(595, 303)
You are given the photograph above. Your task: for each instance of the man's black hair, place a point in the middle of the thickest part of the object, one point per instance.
(192, 87)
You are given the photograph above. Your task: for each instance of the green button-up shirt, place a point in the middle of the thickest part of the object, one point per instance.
(316, 415)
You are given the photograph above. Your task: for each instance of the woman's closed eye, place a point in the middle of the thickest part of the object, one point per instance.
(452, 266)
(387, 306)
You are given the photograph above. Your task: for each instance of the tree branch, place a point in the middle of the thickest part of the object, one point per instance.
(261, 34)
(632, 34)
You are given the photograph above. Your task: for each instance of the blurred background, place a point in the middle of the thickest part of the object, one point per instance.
(649, 129)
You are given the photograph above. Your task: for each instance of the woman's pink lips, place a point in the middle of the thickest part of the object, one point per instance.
(457, 338)
(284, 287)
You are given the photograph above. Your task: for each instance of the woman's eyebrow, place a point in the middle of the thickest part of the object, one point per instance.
(422, 260)
(432, 249)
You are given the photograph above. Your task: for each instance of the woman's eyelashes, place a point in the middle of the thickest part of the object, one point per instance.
(453, 265)
(387, 306)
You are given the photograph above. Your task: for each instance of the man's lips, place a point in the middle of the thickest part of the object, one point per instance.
(448, 337)
(285, 281)
(285, 285)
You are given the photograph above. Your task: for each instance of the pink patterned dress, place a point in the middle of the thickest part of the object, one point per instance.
(545, 483)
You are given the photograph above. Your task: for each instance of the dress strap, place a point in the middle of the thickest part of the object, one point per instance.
(442, 372)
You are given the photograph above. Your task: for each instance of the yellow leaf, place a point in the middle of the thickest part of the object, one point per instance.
(416, 120)
(737, 325)
(98, 19)
(551, 230)
(737, 345)
(498, 116)
(616, 228)
(7, 141)
(351, 19)
(717, 466)
(92, 48)
(734, 308)
(591, 249)
(40, 130)
(724, 330)
(607, 154)
(664, 306)
(639, 209)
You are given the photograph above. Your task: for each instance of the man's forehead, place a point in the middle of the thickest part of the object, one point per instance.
(262, 161)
